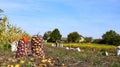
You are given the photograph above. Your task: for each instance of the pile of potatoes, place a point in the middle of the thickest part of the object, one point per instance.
(37, 46)
(22, 48)
(33, 46)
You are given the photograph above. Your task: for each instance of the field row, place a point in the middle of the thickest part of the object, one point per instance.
(89, 46)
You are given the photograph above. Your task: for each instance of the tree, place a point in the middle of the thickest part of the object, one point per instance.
(46, 35)
(88, 39)
(1, 10)
(99, 41)
(55, 35)
(111, 37)
(73, 37)
(116, 40)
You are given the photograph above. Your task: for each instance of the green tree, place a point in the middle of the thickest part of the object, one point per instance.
(73, 37)
(1, 10)
(55, 35)
(98, 41)
(88, 39)
(111, 37)
(46, 35)
(116, 40)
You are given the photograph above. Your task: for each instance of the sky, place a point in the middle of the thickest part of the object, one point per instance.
(90, 18)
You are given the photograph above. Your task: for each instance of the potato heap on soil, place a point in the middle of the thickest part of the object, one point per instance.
(22, 48)
(37, 46)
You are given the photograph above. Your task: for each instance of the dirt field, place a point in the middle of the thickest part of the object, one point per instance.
(60, 57)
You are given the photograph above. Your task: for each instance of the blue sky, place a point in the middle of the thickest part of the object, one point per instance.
(90, 18)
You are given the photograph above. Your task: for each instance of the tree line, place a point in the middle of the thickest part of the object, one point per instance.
(110, 37)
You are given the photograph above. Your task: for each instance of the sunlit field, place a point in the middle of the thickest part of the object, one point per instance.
(88, 46)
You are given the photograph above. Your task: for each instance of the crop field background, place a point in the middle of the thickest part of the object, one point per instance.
(88, 46)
